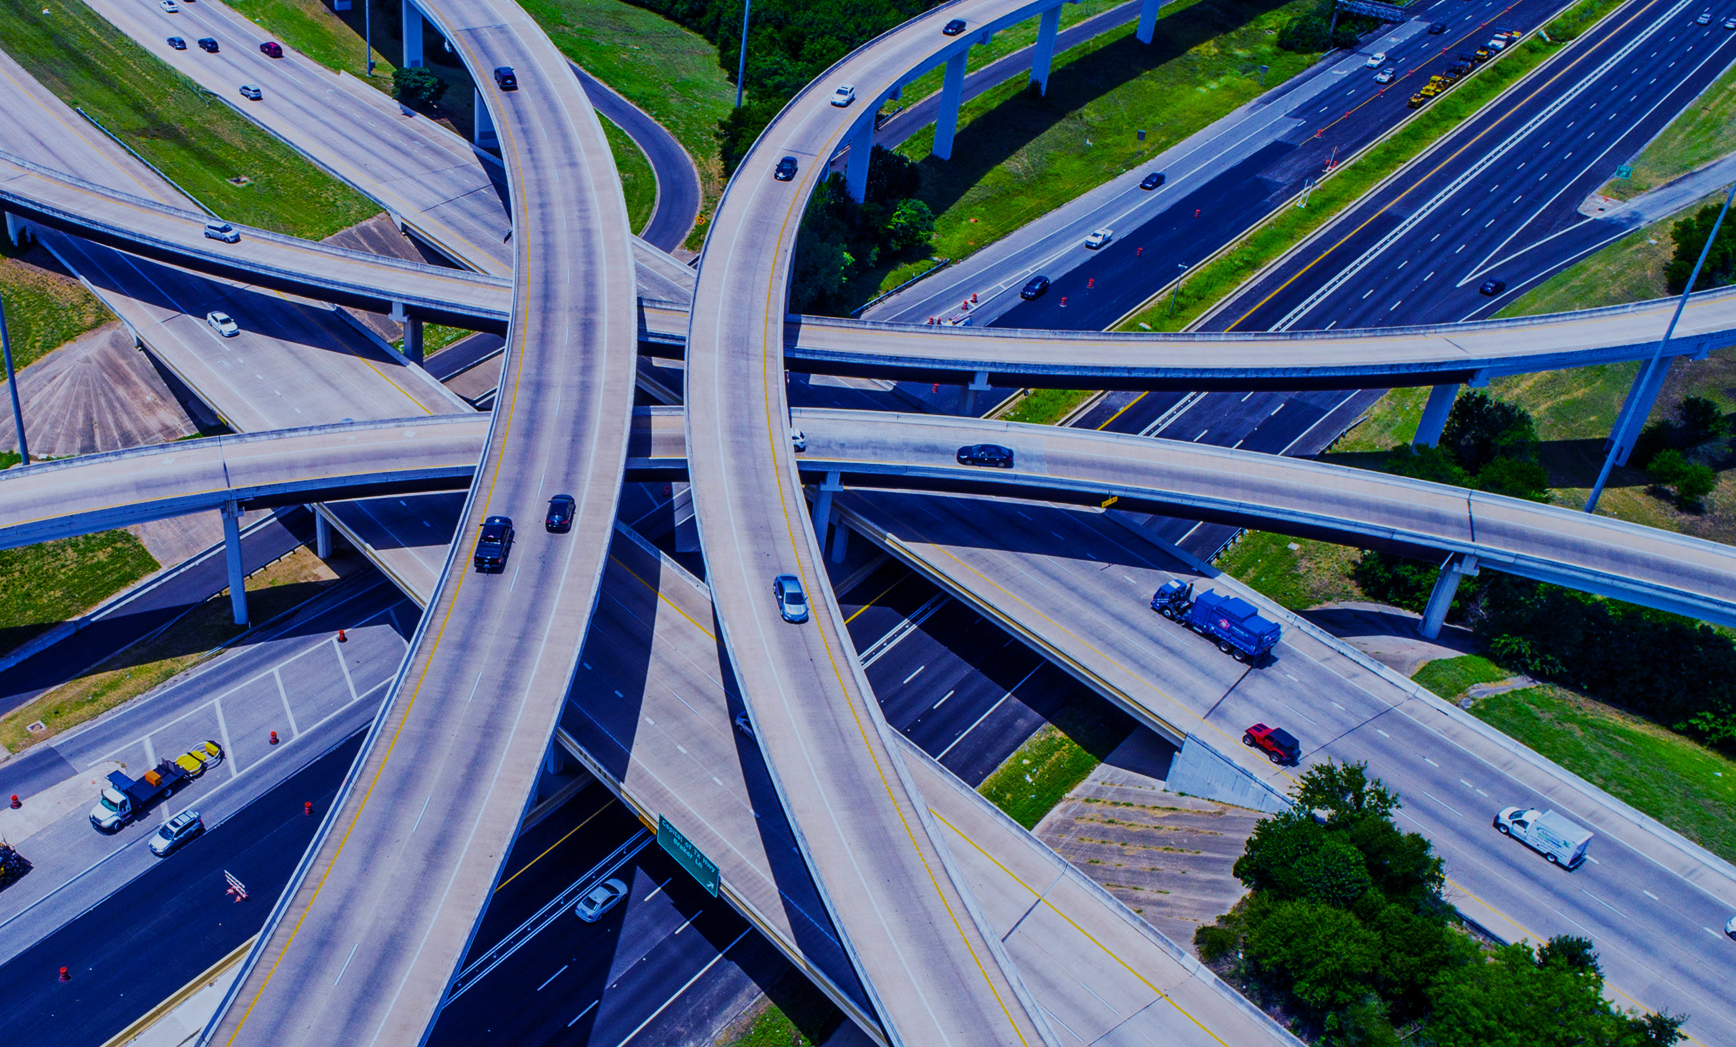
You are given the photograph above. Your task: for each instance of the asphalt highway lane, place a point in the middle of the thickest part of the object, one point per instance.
(138, 946)
(1499, 198)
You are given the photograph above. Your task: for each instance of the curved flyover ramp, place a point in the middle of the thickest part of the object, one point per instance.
(283, 263)
(255, 471)
(365, 940)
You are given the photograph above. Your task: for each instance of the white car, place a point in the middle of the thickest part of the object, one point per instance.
(1099, 238)
(601, 899)
(1376, 60)
(170, 6)
(218, 229)
(223, 323)
(798, 440)
(1730, 928)
(844, 95)
(1385, 75)
(251, 91)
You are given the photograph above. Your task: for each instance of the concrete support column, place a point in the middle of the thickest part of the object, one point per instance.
(861, 151)
(232, 556)
(413, 339)
(1148, 20)
(840, 542)
(413, 36)
(1434, 419)
(951, 95)
(484, 135)
(340, 5)
(17, 230)
(1047, 25)
(556, 761)
(967, 400)
(322, 535)
(1637, 408)
(1446, 587)
(823, 505)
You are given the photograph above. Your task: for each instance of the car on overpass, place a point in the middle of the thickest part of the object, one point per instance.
(494, 544)
(993, 456)
(844, 95)
(954, 27)
(1279, 745)
(222, 323)
(560, 516)
(786, 169)
(792, 601)
(505, 78)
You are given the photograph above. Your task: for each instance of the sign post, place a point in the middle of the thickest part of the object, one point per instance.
(687, 855)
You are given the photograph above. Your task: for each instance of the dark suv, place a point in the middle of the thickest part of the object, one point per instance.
(1279, 745)
(494, 544)
(993, 455)
(786, 169)
(1037, 288)
(207, 43)
(505, 78)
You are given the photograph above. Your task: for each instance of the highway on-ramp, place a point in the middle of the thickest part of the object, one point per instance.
(361, 947)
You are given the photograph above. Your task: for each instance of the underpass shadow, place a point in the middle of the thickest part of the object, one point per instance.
(605, 701)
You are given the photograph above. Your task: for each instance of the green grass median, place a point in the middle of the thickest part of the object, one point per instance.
(45, 306)
(233, 167)
(44, 585)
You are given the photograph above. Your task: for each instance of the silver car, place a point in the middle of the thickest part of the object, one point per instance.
(175, 832)
(223, 323)
(602, 898)
(792, 601)
(217, 229)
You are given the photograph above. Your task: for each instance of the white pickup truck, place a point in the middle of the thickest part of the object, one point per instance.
(1547, 833)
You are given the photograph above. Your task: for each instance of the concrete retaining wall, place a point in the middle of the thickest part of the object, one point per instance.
(1198, 771)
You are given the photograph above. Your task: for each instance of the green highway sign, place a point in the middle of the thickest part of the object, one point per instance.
(1624, 171)
(682, 850)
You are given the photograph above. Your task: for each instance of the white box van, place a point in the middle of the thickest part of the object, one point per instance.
(1547, 833)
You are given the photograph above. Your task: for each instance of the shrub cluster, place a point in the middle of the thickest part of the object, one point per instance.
(840, 236)
(1488, 444)
(1679, 453)
(1344, 926)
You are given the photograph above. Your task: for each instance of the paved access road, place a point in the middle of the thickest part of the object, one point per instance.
(405, 904)
(678, 193)
(1500, 198)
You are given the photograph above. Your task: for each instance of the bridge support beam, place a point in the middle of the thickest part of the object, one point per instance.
(322, 534)
(556, 760)
(861, 151)
(840, 542)
(413, 340)
(232, 557)
(951, 96)
(967, 400)
(413, 35)
(484, 134)
(1148, 20)
(1446, 587)
(1047, 24)
(1637, 408)
(17, 230)
(823, 506)
(1434, 419)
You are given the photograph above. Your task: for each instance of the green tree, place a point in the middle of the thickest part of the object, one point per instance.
(1690, 235)
(1426, 463)
(1345, 792)
(1481, 429)
(737, 131)
(1702, 420)
(1514, 1001)
(911, 225)
(1515, 479)
(1692, 481)
(417, 88)
(1325, 954)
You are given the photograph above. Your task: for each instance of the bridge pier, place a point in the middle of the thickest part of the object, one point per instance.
(951, 97)
(413, 36)
(967, 400)
(1048, 23)
(1446, 587)
(413, 340)
(1148, 20)
(232, 557)
(1434, 419)
(823, 505)
(484, 134)
(322, 534)
(861, 151)
(17, 230)
(840, 542)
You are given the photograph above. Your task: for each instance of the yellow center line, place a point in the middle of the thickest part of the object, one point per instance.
(1390, 204)
(610, 802)
(1123, 411)
(772, 362)
(876, 599)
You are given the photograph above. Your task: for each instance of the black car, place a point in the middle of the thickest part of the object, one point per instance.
(1467, 58)
(1458, 69)
(494, 544)
(1492, 287)
(992, 455)
(1437, 28)
(1152, 181)
(505, 78)
(560, 517)
(207, 43)
(786, 169)
(954, 27)
(177, 43)
(1036, 288)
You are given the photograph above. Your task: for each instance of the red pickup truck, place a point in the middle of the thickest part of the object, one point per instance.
(1279, 745)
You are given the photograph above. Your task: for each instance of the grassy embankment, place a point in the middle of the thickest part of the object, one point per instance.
(1063, 753)
(1705, 132)
(44, 585)
(1684, 785)
(233, 167)
(335, 40)
(1265, 243)
(196, 637)
(45, 306)
(669, 72)
(793, 1014)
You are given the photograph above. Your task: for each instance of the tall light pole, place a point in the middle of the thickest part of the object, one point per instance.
(12, 384)
(741, 62)
(368, 33)
(1175, 290)
(1623, 423)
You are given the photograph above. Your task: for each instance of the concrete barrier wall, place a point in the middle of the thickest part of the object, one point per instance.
(1198, 771)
